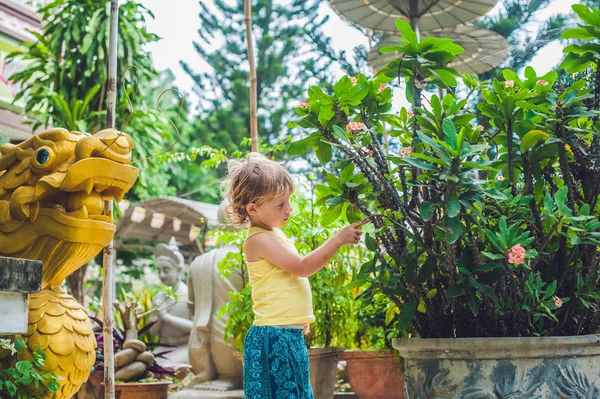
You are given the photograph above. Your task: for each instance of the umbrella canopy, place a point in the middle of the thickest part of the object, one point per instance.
(188, 212)
(484, 49)
(381, 15)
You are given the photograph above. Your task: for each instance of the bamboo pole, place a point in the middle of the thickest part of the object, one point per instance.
(109, 251)
(253, 83)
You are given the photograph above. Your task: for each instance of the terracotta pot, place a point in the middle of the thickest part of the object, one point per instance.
(533, 368)
(374, 375)
(323, 371)
(142, 390)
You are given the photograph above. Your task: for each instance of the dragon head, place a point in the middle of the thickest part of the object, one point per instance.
(53, 187)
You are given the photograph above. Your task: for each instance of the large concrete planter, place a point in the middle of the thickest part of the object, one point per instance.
(323, 371)
(374, 375)
(502, 368)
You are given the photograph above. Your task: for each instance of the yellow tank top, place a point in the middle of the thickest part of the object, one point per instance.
(279, 297)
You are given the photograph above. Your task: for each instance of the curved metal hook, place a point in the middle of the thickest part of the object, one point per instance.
(137, 81)
(170, 121)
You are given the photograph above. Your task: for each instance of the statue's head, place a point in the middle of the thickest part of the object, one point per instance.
(169, 262)
(53, 187)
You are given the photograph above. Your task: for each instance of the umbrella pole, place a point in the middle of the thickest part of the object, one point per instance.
(109, 251)
(415, 17)
(415, 25)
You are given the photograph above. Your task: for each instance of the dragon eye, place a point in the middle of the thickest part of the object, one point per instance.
(42, 156)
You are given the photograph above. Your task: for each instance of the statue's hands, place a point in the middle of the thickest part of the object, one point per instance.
(202, 330)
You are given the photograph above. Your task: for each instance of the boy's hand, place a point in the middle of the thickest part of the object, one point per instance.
(351, 234)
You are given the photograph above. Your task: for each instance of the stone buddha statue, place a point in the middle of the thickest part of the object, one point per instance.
(218, 373)
(174, 320)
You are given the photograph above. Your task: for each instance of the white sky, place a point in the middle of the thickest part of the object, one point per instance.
(177, 23)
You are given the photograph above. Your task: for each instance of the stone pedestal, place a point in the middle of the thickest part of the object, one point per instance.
(18, 278)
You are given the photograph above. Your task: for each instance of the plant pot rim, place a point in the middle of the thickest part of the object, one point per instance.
(498, 348)
(315, 353)
(367, 354)
(141, 383)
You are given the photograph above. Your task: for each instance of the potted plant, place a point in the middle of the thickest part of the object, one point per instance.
(479, 232)
(374, 370)
(137, 375)
(22, 374)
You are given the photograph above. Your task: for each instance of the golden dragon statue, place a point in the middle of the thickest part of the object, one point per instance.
(53, 187)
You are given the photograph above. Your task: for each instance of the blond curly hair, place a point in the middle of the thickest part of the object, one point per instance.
(254, 179)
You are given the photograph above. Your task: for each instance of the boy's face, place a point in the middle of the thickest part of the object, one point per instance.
(273, 213)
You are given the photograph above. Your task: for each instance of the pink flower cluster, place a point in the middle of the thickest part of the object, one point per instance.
(405, 151)
(557, 301)
(516, 256)
(352, 79)
(304, 104)
(509, 83)
(541, 82)
(381, 88)
(355, 126)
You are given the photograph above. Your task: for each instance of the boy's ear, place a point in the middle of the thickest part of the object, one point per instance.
(251, 209)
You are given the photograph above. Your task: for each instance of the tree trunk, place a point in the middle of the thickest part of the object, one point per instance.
(75, 283)
(253, 88)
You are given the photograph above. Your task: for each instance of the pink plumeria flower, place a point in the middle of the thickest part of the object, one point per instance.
(515, 259)
(352, 79)
(541, 82)
(557, 301)
(518, 250)
(355, 126)
(410, 114)
(405, 151)
(509, 83)
(381, 88)
(304, 104)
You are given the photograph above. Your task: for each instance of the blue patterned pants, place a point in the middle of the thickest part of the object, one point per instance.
(276, 364)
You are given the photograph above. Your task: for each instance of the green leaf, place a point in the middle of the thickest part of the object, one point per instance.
(543, 152)
(407, 314)
(11, 388)
(560, 197)
(550, 290)
(451, 136)
(454, 229)
(407, 32)
(453, 207)
(331, 214)
(323, 151)
(339, 133)
(426, 270)
(420, 164)
(370, 243)
(300, 147)
(390, 313)
(532, 138)
(587, 14)
(427, 210)
(473, 302)
(326, 112)
(455, 290)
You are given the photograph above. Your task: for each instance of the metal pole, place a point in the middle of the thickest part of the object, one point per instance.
(109, 253)
(253, 85)
(415, 17)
